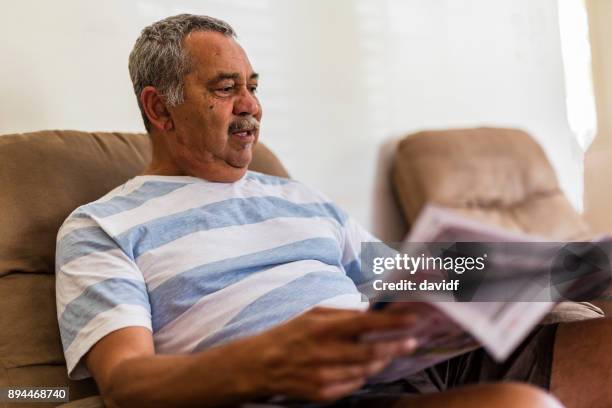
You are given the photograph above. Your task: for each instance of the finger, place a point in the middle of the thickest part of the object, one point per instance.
(326, 374)
(356, 352)
(338, 390)
(373, 321)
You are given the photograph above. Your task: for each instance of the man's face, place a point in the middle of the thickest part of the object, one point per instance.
(218, 123)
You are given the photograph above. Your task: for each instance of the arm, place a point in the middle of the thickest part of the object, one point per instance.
(314, 356)
(129, 373)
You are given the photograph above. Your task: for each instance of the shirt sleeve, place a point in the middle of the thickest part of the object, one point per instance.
(358, 239)
(99, 289)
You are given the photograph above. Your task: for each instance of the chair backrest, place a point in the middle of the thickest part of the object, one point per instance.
(43, 177)
(500, 176)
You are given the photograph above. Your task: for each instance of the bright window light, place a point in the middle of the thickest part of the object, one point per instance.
(576, 51)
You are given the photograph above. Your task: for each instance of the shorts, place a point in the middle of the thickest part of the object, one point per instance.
(530, 363)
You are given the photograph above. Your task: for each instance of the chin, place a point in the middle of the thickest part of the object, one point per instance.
(241, 159)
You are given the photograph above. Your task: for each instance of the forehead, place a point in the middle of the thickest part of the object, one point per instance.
(213, 53)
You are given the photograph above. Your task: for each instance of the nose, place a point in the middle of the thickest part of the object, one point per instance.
(246, 104)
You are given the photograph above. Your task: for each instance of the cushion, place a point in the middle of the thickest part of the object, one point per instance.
(500, 176)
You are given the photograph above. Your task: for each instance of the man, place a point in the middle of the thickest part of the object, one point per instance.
(202, 283)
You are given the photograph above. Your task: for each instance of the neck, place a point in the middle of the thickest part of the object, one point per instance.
(162, 163)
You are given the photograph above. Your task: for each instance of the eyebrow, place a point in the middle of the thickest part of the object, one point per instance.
(231, 75)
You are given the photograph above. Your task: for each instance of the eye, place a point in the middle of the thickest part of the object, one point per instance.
(253, 89)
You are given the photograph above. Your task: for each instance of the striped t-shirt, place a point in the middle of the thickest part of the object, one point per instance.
(201, 263)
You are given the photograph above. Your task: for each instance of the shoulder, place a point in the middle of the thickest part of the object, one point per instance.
(297, 193)
(127, 196)
(86, 222)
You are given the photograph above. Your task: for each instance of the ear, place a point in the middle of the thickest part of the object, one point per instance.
(155, 109)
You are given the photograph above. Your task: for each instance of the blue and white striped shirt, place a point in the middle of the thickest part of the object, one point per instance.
(201, 263)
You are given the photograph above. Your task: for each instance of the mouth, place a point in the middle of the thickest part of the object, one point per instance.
(245, 135)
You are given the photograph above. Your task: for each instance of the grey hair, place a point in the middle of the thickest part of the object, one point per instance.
(159, 59)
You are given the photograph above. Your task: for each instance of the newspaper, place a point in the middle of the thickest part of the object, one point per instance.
(447, 328)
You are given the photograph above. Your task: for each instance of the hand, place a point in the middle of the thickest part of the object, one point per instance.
(318, 355)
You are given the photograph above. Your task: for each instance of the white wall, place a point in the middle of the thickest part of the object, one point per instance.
(338, 77)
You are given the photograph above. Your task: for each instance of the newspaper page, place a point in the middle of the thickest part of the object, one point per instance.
(505, 308)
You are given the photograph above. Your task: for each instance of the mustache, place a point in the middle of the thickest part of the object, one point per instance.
(245, 123)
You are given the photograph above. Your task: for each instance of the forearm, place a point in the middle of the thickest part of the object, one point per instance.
(218, 377)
